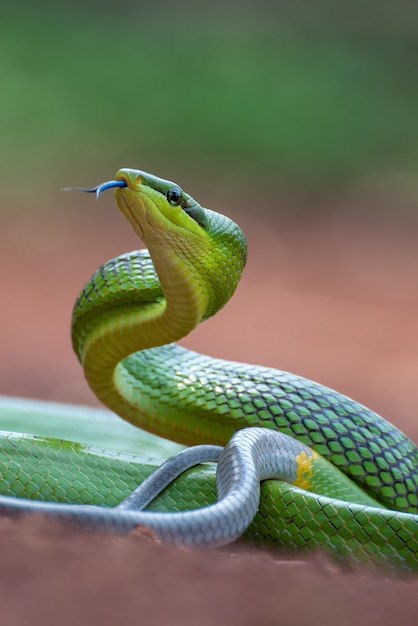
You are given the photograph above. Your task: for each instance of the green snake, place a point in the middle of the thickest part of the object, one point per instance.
(336, 476)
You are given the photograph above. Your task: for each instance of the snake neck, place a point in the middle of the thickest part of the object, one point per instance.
(151, 318)
(146, 299)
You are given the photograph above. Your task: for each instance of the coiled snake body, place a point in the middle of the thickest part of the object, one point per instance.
(351, 477)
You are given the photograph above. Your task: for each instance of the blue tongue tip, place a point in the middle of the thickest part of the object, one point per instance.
(108, 185)
(100, 188)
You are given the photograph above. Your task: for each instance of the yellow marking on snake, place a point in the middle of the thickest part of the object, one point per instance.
(304, 469)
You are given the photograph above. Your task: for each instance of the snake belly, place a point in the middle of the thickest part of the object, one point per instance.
(125, 321)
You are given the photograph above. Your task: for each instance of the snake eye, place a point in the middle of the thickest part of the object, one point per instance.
(174, 195)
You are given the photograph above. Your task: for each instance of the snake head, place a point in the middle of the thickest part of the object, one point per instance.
(206, 249)
(156, 206)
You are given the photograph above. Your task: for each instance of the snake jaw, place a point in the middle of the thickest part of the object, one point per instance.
(132, 218)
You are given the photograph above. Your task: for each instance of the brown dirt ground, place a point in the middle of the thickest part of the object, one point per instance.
(342, 310)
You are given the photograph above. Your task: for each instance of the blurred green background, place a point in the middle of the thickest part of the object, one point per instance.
(303, 97)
